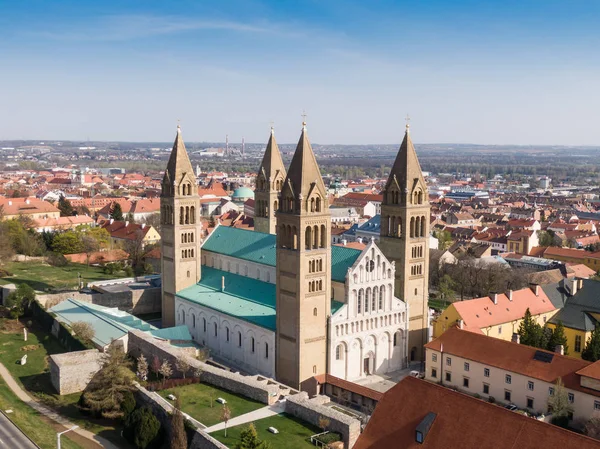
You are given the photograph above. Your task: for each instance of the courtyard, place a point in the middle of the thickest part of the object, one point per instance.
(200, 402)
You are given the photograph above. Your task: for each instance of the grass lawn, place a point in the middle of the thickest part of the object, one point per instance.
(43, 277)
(293, 433)
(34, 376)
(196, 399)
(438, 304)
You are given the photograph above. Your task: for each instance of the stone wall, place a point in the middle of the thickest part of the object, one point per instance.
(202, 440)
(310, 410)
(133, 301)
(257, 388)
(72, 371)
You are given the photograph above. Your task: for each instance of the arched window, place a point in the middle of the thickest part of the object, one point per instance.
(215, 326)
(314, 369)
(240, 339)
(203, 324)
(193, 214)
(361, 293)
(266, 350)
(308, 237)
(181, 215)
(339, 352)
(226, 333)
(315, 311)
(315, 237)
(252, 344)
(194, 321)
(323, 236)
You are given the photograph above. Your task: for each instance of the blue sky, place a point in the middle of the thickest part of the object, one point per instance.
(497, 72)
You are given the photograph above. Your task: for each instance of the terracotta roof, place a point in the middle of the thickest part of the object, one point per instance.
(98, 256)
(592, 370)
(579, 270)
(511, 357)
(538, 251)
(545, 277)
(125, 230)
(461, 421)
(482, 312)
(355, 245)
(349, 386)
(25, 206)
(569, 252)
(63, 222)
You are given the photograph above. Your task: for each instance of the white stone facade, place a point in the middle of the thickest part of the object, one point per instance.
(368, 334)
(265, 273)
(246, 346)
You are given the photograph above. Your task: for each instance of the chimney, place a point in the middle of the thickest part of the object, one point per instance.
(572, 286)
(10, 202)
(143, 225)
(516, 338)
(126, 223)
(510, 294)
(222, 283)
(535, 288)
(494, 297)
(579, 284)
(559, 349)
(344, 242)
(112, 220)
(27, 201)
(461, 324)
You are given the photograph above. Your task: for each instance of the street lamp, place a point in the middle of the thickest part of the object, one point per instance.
(60, 433)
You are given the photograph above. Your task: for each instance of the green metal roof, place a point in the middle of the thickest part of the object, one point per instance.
(260, 248)
(244, 298)
(181, 333)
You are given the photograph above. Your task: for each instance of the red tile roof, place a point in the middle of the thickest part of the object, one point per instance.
(461, 421)
(349, 386)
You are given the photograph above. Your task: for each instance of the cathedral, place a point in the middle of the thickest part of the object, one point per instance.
(282, 301)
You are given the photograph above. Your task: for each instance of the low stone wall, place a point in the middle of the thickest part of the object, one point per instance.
(257, 388)
(72, 371)
(136, 302)
(6, 290)
(162, 411)
(310, 410)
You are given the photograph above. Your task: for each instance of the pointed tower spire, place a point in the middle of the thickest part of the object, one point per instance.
(179, 161)
(404, 238)
(269, 181)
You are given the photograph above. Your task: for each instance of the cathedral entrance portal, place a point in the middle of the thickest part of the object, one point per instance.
(369, 364)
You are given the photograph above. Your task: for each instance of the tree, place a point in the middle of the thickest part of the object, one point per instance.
(324, 423)
(446, 287)
(559, 404)
(19, 300)
(178, 435)
(6, 245)
(154, 221)
(117, 212)
(83, 330)
(142, 428)
(142, 368)
(249, 438)
(182, 365)
(106, 391)
(165, 370)
(65, 207)
(530, 333)
(591, 352)
(592, 427)
(68, 242)
(444, 239)
(135, 249)
(128, 404)
(155, 366)
(130, 218)
(558, 337)
(90, 245)
(225, 416)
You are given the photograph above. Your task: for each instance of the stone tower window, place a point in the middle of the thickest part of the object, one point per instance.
(315, 311)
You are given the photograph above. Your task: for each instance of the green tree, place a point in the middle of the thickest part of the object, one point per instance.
(530, 333)
(65, 207)
(19, 300)
(178, 438)
(446, 287)
(558, 337)
(117, 212)
(444, 239)
(559, 404)
(249, 438)
(591, 352)
(142, 428)
(130, 218)
(106, 391)
(68, 242)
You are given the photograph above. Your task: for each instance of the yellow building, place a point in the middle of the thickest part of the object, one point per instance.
(124, 231)
(580, 313)
(577, 256)
(27, 207)
(498, 315)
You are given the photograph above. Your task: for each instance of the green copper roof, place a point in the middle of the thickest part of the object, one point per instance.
(244, 298)
(260, 248)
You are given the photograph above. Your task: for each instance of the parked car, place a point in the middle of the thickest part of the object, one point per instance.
(511, 407)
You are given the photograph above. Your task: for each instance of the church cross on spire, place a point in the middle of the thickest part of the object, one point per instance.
(304, 119)
(407, 119)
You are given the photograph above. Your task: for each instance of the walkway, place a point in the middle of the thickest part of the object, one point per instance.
(42, 409)
(261, 413)
(11, 436)
(383, 382)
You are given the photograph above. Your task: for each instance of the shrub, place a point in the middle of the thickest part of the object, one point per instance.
(83, 330)
(142, 429)
(561, 421)
(330, 437)
(56, 259)
(171, 383)
(491, 399)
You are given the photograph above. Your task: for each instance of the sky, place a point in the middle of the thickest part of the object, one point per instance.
(486, 72)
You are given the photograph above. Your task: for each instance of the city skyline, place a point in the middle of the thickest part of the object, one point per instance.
(494, 73)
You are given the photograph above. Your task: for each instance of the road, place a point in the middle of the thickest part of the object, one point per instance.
(11, 437)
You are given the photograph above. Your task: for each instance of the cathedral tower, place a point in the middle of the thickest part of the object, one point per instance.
(303, 270)
(180, 234)
(405, 214)
(269, 181)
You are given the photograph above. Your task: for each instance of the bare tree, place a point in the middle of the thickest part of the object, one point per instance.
(225, 416)
(142, 367)
(83, 330)
(165, 370)
(182, 365)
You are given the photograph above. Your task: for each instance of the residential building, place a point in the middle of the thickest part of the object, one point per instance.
(28, 207)
(512, 373)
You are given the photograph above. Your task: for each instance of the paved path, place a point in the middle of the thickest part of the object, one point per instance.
(11, 437)
(261, 413)
(42, 409)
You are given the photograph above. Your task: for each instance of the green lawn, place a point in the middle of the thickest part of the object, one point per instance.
(196, 401)
(43, 277)
(34, 376)
(28, 420)
(438, 304)
(293, 433)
